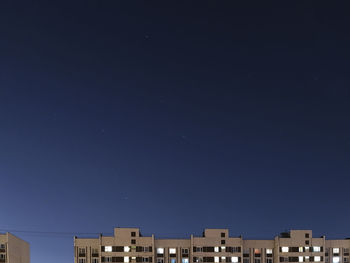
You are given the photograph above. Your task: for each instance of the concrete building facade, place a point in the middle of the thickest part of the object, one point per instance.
(13, 249)
(215, 246)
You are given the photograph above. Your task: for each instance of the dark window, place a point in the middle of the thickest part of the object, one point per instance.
(307, 242)
(307, 235)
(133, 241)
(222, 234)
(222, 242)
(133, 234)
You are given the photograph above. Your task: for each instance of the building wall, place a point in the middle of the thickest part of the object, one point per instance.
(16, 250)
(127, 245)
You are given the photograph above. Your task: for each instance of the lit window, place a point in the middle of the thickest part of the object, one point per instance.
(257, 251)
(160, 250)
(223, 249)
(185, 260)
(108, 249)
(269, 251)
(285, 249)
(307, 258)
(301, 249)
(317, 249)
(216, 249)
(126, 259)
(173, 260)
(234, 259)
(223, 258)
(335, 250)
(126, 249)
(317, 259)
(216, 259)
(335, 259)
(301, 259)
(172, 250)
(307, 249)
(133, 258)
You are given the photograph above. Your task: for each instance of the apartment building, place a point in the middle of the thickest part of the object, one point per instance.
(129, 246)
(13, 249)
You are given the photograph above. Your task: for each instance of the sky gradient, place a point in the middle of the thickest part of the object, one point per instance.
(173, 118)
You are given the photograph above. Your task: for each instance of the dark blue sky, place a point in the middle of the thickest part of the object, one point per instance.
(173, 117)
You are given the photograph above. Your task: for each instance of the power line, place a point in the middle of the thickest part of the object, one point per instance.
(50, 233)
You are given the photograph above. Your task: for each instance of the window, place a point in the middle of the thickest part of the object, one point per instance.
(81, 260)
(245, 260)
(216, 249)
(184, 260)
(306, 242)
(144, 259)
(133, 234)
(160, 250)
(301, 259)
(257, 251)
(95, 260)
(285, 249)
(173, 260)
(133, 241)
(146, 249)
(301, 249)
(317, 249)
(257, 260)
(216, 259)
(81, 250)
(346, 260)
(335, 259)
(222, 242)
(199, 249)
(126, 249)
(185, 251)
(2, 245)
(317, 258)
(346, 251)
(307, 249)
(269, 260)
(223, 259)
(126, 259)
(108, 248)
(160, 260)
(222, 234)
(172, 250)
(108, 259)
(307, 258)
(234, 259)
(335, 250)
(269, 251)
(307, 235)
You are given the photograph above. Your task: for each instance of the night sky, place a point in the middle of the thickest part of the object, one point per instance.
(173, 117)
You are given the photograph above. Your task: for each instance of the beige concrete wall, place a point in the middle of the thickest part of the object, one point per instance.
(17, 250)
(215, 238)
